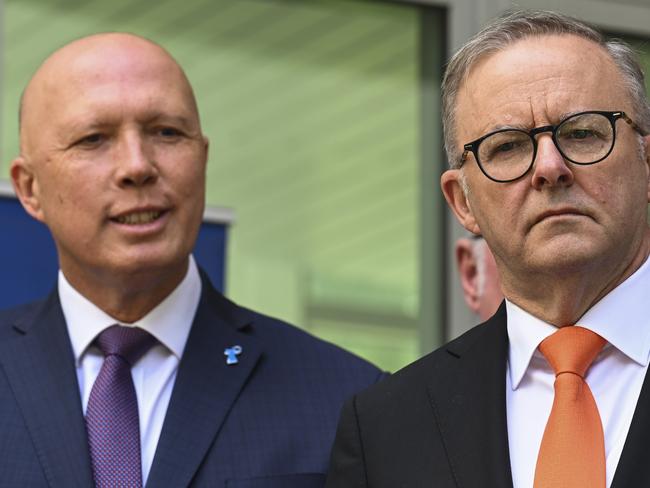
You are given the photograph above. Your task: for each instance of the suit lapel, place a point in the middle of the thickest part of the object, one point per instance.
(39, 365)
(205, 389)
(470, 406)
(633, 469)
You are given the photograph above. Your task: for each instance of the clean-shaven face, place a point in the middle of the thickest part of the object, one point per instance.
(112, 135)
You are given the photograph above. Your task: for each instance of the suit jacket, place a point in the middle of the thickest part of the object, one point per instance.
(266, 422)
(441, 423)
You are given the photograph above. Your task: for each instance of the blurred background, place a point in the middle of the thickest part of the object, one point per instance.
(323, 117)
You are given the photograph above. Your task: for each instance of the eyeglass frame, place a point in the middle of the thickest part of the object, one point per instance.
(611, 116)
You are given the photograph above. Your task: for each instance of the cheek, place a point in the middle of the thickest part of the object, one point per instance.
(78, 199)
(55, 197)
(499, 211)
(620, 196)
(602, 193)
(185, 170)
(188, 188)
(191, 184)
(70, 201)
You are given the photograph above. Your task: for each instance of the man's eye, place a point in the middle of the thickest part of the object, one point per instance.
(505, 147)
(581, 134)
(169, 132)
(90, 140)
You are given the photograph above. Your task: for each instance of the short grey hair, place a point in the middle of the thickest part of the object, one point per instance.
(514, 26)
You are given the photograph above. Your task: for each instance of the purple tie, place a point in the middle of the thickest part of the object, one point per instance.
(112, 415)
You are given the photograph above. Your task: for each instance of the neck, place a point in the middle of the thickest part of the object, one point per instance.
(561, 297)
(127, 297)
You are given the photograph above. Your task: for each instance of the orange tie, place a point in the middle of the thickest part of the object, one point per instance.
(572, 454)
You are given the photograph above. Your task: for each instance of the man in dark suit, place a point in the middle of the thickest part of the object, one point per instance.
(135, 371)
(546, 129)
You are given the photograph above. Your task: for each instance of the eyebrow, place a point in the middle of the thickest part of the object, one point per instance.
(508, 126)
(566, 115)
(179, 119)
(77, 126)
(561, 117)
(97, 122)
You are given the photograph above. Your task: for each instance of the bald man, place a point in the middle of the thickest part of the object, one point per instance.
(135, 370)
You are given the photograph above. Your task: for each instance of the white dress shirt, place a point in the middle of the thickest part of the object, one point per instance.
(615, 377)
(154, 374)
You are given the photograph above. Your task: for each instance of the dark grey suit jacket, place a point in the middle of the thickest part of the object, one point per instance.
(266, 422)
(441, 423)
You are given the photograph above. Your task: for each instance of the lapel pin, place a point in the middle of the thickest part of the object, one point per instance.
(231, 354)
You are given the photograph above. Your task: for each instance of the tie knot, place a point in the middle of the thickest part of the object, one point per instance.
(129, 343)
(571, 349)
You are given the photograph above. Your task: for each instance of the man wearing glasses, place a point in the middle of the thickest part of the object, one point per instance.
(546, 130)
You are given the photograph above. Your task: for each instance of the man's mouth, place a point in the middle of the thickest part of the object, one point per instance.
(562, 212)
(139, 218)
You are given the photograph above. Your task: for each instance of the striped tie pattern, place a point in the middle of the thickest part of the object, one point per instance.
(112, 420)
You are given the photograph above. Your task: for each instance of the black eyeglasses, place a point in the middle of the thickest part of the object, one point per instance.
(585, 138)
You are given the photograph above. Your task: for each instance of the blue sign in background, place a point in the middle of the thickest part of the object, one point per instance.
(29, 262)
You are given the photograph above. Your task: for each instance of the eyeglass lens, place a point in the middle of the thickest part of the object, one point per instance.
(582, 139)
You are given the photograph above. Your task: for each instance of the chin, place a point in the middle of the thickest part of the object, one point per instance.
(147, 263)
(575, 258)
(561, 247)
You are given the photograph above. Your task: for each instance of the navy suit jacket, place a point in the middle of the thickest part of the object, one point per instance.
(266, 422)
(441, 423)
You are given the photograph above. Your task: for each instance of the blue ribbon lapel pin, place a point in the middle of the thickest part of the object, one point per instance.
(231, 354)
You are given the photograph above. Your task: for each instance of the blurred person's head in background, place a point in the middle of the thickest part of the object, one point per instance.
(478, 275)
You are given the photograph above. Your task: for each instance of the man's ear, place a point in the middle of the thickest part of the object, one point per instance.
(26, 187)
(468, 273)
(452, 188)
(646, 153)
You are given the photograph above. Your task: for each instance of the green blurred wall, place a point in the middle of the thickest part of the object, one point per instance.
(312, 109)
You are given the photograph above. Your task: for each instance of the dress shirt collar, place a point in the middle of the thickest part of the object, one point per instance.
(169, 322)
(621, 317)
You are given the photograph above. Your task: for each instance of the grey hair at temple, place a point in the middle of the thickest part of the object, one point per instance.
(518, 25)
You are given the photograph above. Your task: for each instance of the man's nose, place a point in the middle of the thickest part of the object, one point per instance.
(550, 168)
(136, 165)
